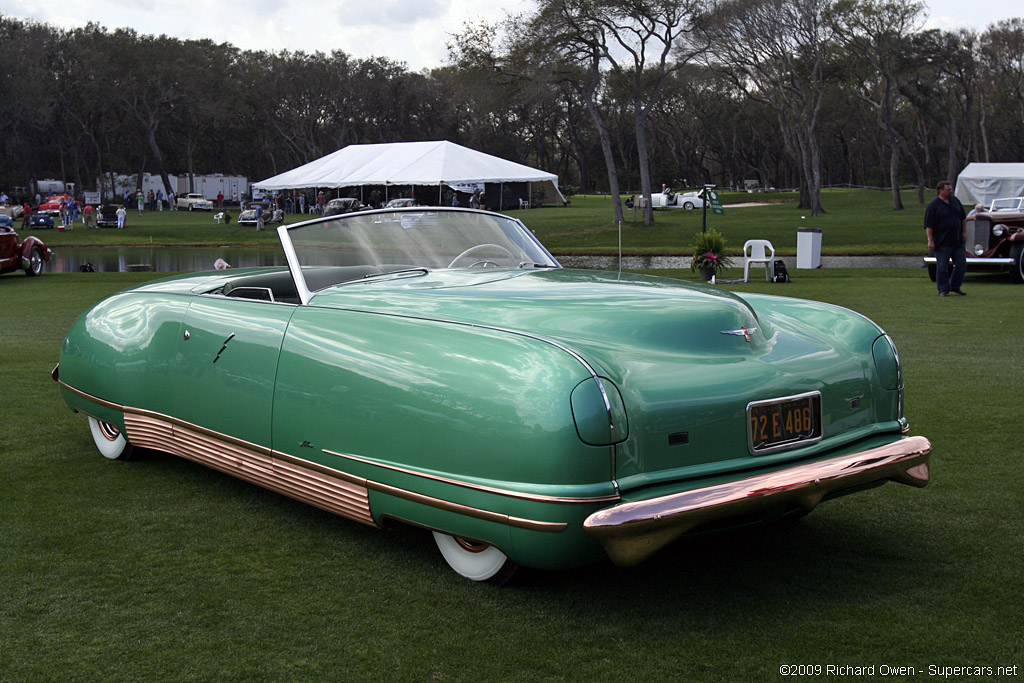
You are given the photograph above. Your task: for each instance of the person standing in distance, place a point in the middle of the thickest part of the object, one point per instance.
(945, 223)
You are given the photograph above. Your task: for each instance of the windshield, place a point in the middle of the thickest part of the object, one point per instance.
(1006, 204)
(386, 241)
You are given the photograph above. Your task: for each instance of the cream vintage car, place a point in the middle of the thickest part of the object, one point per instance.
(194, 202)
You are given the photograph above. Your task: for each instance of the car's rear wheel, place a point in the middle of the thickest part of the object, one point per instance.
(1017, 273)
(109, 440)
(474, 560)
(191, 206)
(35, 262)
(688, 205)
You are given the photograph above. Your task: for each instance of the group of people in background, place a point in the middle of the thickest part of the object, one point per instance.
(150, 200)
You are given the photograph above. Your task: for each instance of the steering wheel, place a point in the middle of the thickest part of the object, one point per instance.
(484, 263)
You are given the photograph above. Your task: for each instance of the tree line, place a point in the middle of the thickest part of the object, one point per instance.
(612, 96)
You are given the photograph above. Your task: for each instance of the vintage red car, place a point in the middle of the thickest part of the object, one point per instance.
(995, 241)
(28, 255)
(52, 203)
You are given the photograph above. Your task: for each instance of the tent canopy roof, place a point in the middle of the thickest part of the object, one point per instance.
(404, 163)
(981, 183)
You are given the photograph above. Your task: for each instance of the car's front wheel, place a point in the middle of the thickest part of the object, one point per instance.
(191, 206)
(688, 205)
(109, 440)
(35, 262)
(475, 561)
(1017, 273)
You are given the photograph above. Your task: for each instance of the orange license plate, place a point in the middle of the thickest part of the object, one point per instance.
(784, 422)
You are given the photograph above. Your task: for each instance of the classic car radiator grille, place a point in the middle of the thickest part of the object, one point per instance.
(251, 463)
(978, 231)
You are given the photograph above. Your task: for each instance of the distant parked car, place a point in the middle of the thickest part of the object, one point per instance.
(342, 205)
(995, 241)
(12, 210)
(41, 220)
(194, 202)
(270, 215)
(106, 216)
(52, 203)
(28, 255)
(676, 200)
(400, 203)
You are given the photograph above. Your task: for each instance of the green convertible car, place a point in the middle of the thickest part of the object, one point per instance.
(438, 367)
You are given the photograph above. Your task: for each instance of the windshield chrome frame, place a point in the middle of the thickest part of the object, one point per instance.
(292, 257)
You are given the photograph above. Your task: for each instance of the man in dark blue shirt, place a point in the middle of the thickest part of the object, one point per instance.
(946, 227)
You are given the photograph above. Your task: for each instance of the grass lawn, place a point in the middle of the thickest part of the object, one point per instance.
(856, 222)
(160, 569)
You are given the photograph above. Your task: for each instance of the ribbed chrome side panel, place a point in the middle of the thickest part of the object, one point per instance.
(146, 432)
(324, 491)
(253, 464)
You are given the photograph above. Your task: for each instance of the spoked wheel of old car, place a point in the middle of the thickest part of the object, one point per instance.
(688, 205)
(109, 440)
(35, 262)
(1017, 272)
(481, 258)
(474, 560)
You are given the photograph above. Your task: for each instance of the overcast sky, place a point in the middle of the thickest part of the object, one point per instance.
(411, 31)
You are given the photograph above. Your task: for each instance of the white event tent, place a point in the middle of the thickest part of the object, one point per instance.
(981, 183)
(411, 163)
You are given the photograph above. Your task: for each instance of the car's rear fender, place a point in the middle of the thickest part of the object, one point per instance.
(442, 398)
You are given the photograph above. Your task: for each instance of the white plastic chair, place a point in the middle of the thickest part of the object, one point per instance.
(524, 203)
(758, 251)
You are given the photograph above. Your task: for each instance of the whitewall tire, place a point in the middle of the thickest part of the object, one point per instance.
(109, 440)
(475, 561)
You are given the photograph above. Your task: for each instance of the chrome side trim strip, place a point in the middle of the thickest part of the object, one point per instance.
(89, 397)
(477, 513)
(978, 261)
(480, 487)
(632, 531)
(332, 490)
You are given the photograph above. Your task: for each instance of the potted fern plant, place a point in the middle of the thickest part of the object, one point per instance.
(709, 254)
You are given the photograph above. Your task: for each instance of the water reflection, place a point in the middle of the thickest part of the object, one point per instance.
(160, 259)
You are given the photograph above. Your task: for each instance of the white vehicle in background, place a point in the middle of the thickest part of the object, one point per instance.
(194, 201)
(676, 200)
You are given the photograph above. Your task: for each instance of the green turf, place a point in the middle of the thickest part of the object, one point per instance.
(856, 222)
(160, 569)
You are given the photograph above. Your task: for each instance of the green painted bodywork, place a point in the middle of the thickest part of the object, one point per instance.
(486, 377)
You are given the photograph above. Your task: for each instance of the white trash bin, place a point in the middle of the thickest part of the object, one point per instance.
(808, 248)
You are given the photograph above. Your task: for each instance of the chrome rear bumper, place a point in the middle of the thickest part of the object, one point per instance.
(632, 531)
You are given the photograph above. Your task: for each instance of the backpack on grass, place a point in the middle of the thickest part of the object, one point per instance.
(779, 272)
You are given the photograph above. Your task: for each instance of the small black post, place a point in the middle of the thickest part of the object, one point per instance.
(704, 209)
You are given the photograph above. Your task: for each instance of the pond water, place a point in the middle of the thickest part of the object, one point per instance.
(193, 259)
(160, 259)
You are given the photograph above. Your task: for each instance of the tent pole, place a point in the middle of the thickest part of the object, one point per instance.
(501, 197)
(439, 186)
